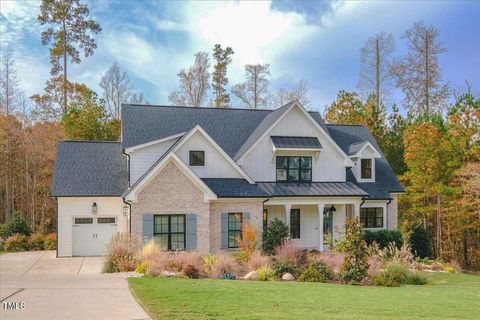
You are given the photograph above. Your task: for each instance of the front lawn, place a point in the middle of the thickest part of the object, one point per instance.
(449, 296)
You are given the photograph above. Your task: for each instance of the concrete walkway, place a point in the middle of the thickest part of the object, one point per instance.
(41, 286)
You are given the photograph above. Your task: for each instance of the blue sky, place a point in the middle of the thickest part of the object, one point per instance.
(315, 41)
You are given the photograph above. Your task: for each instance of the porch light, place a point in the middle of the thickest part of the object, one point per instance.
(332, 209)
(94, 208)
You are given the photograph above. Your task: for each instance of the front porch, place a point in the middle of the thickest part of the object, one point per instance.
(313, 222)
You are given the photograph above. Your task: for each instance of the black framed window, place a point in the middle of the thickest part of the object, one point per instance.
(234, 229)
(265, 220)
(83, 220)
(197, 158)
(371, 217)
(366, 168)
(295, 223)
(294, 168)
(169, 231)
(106, 220)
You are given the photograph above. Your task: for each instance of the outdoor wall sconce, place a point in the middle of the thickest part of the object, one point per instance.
(332, 209)
(94, 208)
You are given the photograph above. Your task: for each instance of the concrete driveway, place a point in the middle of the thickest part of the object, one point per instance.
(39, 286)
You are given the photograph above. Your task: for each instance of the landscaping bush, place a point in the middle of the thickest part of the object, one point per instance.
(333, 260)
(225, 263)
(16, 242)
(394, 275)
(3, 228)
(416, 279)
(421, 242)
(247, 242)
(289, 259)
(121, 253)
(36, 242)
(274, 236)
(228, 276)
(355, 264)
(257, 260)
(384, 237)
(316, 272)
(17, 224)
(191, 272)
(402, 255)
(209, 260)
(280, 267)
(50, 241)
(265, 274)
(142, 267)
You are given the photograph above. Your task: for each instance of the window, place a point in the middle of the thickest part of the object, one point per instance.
(106, 220)
(265, 220)
(295, 223)
(83, 220)
(197, 158)
(366, 168)
(169, 231)
(371, 217)
(294, 168)
(234, 229)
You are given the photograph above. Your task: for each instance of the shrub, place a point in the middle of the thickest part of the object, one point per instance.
(289, 259)
(281, 267)
(148, 249)
(401, 255)
(155, 264)
(50, 241)
(191, 272)
(384, 237)
(16, 242)
(333, 260)
(421, 242)
(247, 242)
(355, 264)
(416, 279)
(394, 275)
(257, 260)
(121, 253)
(316, 272)
(274, 236)
(225, 263)
(142, 267)
(17, 224)
(209, 260)
(227, 276)
(36, 241)
(449, 269)
(3, 228)
(265, 274)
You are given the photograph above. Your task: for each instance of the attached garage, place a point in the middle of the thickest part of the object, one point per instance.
(88, 182)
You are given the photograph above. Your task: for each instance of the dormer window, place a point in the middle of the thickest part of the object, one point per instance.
(366, 169)
(197, 158)
(294, 168)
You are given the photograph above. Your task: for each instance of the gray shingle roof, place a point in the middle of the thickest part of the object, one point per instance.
(385, 179)
(88, 168)
(311, 189)
(296, 142)
(355, 147)
(234, 188)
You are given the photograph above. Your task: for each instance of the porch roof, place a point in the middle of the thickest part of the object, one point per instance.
(234, 188)
(312, 189)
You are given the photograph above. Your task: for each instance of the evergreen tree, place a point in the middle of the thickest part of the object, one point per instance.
(222, 58)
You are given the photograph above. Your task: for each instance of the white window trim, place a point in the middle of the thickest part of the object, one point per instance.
(377, 205)
(359, 171)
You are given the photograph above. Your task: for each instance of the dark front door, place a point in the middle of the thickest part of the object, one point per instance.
(327, 225)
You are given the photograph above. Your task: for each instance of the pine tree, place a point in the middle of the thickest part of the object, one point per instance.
(219, 75)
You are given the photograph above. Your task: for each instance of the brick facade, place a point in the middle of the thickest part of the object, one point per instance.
(392, 214)
(172, 192)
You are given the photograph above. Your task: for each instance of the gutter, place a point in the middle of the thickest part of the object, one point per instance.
(123, 199)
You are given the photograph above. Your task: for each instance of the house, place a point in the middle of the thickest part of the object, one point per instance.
(191, 176)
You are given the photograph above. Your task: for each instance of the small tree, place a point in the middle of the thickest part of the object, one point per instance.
(17, 224)
(355, 264)
(247, 242)
(274, 236)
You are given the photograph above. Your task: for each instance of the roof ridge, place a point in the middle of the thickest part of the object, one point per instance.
(195, 108)
(90, 141)
(345, 125)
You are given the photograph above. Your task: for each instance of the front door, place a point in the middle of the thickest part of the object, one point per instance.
(327, 225)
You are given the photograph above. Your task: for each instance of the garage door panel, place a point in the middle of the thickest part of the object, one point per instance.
(91, 235)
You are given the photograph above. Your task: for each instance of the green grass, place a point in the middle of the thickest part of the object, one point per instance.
(448, 296)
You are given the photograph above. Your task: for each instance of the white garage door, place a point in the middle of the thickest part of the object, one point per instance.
(91, 235)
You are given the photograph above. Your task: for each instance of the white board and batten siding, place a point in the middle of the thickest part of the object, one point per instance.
(70, 208)
(143, 158)
(260, 163)
(216, 166)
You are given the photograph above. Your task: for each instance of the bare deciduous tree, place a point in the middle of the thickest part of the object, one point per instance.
(298, 92)
(375, 62)
(194, 83)
(9, 83)
(117, 89)
(419, 74)
(253, 93)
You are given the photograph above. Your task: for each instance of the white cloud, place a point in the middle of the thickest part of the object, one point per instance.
(169, 25)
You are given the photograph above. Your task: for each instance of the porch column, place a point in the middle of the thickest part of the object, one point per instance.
(288, 207)
(320, 225)
(356, 210)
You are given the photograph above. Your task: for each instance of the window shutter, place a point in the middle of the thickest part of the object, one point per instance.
(191, 231)
(224, 230)
(147, 227)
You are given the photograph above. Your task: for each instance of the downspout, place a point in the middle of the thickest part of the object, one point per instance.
(386, 213)
(56, 244)
(363, 201)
